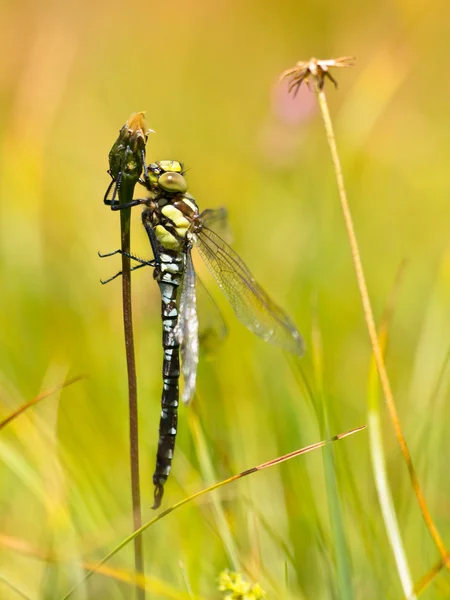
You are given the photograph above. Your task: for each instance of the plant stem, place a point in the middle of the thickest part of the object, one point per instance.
(370, 323)
(126, 162)
(132, 393)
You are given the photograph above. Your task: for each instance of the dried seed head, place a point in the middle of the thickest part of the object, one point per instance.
(137, 126)
(127, 155)
(314, 69)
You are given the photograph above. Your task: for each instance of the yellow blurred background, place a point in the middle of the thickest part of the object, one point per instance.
(206, 75)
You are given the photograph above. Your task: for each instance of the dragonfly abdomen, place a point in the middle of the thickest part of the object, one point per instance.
(169, 278)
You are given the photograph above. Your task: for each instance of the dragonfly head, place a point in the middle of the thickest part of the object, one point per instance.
(168, 175)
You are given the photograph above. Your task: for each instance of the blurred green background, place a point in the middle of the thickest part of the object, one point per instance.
(206, 75)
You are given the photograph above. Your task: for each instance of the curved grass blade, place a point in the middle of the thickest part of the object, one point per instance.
(148, 583)
(12, 586)
(425, 581)
(207, 490)
(38, 399)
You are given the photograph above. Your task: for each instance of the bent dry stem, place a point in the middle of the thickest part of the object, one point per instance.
(371, 328)
(315, 71)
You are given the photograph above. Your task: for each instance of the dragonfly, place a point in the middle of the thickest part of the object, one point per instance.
(175, 225)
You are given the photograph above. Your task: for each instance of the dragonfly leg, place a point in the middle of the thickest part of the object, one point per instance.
(152, 238)
(116, 205)
(144, 264)
(143, 261)
(116, 184)
(109, 253)
(105, 281)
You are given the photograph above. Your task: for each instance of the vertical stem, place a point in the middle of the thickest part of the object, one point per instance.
(132, 394)
(370, 323)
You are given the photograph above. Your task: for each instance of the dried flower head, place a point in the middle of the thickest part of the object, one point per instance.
(127, 156)
(315, 69)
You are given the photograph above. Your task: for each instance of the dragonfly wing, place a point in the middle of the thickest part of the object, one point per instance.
(212, 329)
(186, 330)
(252, 305)
(217, 218)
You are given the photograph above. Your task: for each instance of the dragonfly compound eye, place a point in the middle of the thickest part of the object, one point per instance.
(173, 182)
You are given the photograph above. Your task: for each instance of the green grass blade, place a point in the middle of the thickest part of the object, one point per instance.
(266, 465)
(208, 473)
(379, 462)
(342, 556)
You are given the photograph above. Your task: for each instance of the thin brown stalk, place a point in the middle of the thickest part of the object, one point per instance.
(370, 321)
(126, 162)
(132, 396)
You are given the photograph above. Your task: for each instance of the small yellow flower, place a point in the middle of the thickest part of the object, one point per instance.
(315, 68)
(237, 588)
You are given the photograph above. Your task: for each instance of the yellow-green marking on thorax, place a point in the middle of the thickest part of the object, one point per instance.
(176, 216)
(171, 181)
(167, 239)
(181, 225)
(171, 165)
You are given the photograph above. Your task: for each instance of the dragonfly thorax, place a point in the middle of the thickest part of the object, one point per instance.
(170, 217)
(171, 209)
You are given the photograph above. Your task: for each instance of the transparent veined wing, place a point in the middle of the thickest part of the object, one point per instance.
(212, 329)
(250, 302)
(217, 219)
(186, 330)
